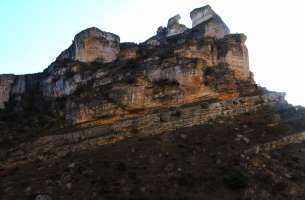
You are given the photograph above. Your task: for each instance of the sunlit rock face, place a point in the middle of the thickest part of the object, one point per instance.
(174, 27)
(176, 66)
(98, 76)
(93, 45)
(209, 22)
(63, 78)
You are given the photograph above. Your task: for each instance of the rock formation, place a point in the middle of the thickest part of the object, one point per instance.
(203, 14)
(112, 120)
(174, 27)
(93, 45)
(6, 82)
(205, 18)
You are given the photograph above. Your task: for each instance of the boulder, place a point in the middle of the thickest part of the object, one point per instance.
(93, 45)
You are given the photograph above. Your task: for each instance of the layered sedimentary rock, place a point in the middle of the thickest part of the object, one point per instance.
(175, 67)
(184, 98)
(94, 134)
(100, 81)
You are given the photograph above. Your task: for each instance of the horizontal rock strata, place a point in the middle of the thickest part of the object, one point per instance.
(157, 122)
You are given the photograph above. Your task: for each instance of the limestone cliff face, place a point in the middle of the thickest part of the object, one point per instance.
(97, 77)
(178, 116)
(235, 54)
(175, 67)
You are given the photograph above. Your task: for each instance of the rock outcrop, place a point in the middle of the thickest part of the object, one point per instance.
(174, 27)
(235, 54)
(200, 15)
(176, 57)
(186, 94)
(177, 66)
(100, 81)
(93, 45)
(206, 23)
(14, 87)
(211, 24)
(6, 82)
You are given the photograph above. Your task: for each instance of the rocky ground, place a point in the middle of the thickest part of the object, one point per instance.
(210, 161)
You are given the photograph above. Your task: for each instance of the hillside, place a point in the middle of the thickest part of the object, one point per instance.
(178, 116)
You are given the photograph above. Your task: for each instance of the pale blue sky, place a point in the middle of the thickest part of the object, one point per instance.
(34, 32)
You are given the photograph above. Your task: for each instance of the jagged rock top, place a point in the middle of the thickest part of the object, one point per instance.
(203, 14)
(174, 27)
(174, 20)
(131, 74)
(206, 23)
(91, 45)
(97, 33)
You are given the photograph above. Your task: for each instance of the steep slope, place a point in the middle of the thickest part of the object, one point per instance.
(178, 116)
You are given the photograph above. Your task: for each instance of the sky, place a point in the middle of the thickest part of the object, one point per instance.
(34, 32)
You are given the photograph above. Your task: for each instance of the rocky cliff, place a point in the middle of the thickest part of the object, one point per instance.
(101, 95)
